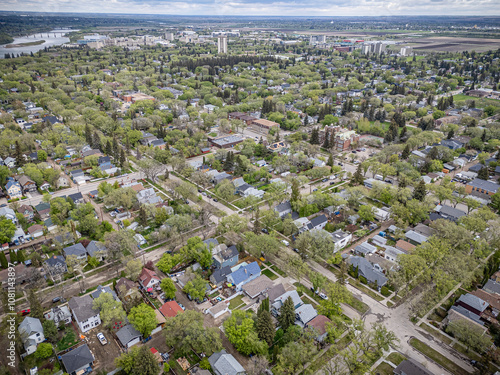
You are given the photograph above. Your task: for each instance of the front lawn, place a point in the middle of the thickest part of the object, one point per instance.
(396, 358)
(270, 274)
(278, 271)
(236, 302)
(437, 357)
(384, 369)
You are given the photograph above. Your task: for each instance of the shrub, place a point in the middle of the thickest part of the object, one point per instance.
(43, 351)
(385, 291)
(204, 364)
(166, 368)
(363, 280)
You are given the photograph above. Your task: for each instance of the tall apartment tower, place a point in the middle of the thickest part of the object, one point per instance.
(379, 48)
(222, 44)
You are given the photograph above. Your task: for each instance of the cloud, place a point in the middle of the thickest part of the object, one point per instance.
(262, 7)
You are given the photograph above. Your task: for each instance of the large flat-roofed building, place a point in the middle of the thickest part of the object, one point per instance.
(263, 125)
(225, 141)
(481, 188)
(241, 116)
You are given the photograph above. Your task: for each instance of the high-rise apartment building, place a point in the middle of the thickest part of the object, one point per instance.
(222, 44)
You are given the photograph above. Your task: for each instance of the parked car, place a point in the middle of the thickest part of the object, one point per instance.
(216, 200)
(264, 230)
(295, 249)
(315, 190)
(24, 312)
(332, 183)
(55, 300)
(102, 339)
(323, 296)
(203, 193)
(285, 242)
(182, 306)
(324, 180)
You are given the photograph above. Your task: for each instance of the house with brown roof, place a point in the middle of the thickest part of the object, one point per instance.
(257, 287)
(319, 323)
(264, 125)
(170, 309)
(148, 278)
(26, 211)
(405, 246)
(126, 288)
(27, 184)
(35, 231)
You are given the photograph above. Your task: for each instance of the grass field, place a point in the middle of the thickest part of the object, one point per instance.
(384, 369)
(68, 340)
(270, 274)
(436, 333)
(480, 102)
(396, 358)
(236, 302)
(437, 357)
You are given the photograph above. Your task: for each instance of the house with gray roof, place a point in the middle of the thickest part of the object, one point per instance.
(415, 238)
(225, 256)
(219, 275)
(78, 360)
(364, 248)
(223, 363)
(128, 336)
(211, 242)
(411, 367)
(280, 300)
(83, 312)
(459, 312)
(492, 286)
(472, 303)
(97, 250)
(77, 250)
(8, 213)
(283, 209)
(56, 266)
(448, 213)
(257, 287)
(31, 333)
(103, 289)
(367, 270)
(274, 292)
(481, 188)
(304, 314)
(59, 314)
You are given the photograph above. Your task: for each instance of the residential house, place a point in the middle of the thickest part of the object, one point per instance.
(31, 333)
(219, 275)
(26, 211)
(411, 367)
(341, 239)
(9, 162)
(97, 250)
(447, 213)
(244, 275)
(472, 303)
(77, 250)
(27, 184)
(126, 288)
(492, 286)
(170, 309)
(35, 231)
(460, 313)
(223, 363)
(319, 324)
(139, 238)
(364, 249)
(103, 289)
(56, 266)
(211, 243)
(148, 278)
(258, 286)
(493, 300)
(78, 361)
(381, 214)
(283, 209)
(128, 336)
(59, 314)
(62, 182)
(368, 271)
(8, 213)
(49, 225)
(280, 300)
(148, 196)
(77, 198)
(43, 209)
(304, 314)
(415, 238)
(318, 222)
(85, 315)
(225, 256)
(405, 246)
(13, 189)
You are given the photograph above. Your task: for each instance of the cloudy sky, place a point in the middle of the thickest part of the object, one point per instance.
(263, 7)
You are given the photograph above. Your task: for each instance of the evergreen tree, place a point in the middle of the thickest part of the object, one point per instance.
(228, 164)
(143, 217)
(19, 155)
(109, 148)
(420, 191)
(402, 183)
(406, 152)
(326, 143)
(483, 173)
(265, 326)
(256, 224)
(35, 305)
(138, 153)
(13, 256)
(295, 196)
(116, 150)
(88, 135)
(287, 314)
(127, 144)
(3, 260)
(96, 141)
(357, 177)
(123, 159)
(20, 256)
(314, 137)
(451, 134)
(330, 161)
(306, 120)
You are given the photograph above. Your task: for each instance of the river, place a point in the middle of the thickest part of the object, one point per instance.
(52, 38)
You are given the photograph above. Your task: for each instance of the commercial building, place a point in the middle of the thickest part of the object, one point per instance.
(225, 141)
(264, 125)
(317, 39)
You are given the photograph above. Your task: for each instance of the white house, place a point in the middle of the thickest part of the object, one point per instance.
(148, 278)
(83, 312)
(341, 239)
(219, 309)
(31, 333)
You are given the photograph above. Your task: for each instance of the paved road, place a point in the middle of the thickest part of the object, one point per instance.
(397, 320)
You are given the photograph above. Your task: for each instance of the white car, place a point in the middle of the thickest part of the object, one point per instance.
(102, 339)
(323, 296)
(285, 242)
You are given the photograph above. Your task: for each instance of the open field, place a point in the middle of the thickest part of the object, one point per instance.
(449, 44)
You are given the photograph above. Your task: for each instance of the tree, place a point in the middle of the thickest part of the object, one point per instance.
(265, 326)
(258, 244)
(118, 245)
(168, 287)
(286, 317)
(420, 191)
(336, 294)
(225, 189)
(258, 365)
(196, 288)
(295, 196)
(35, 305)
(314, 137)
(186, 332)
(470, 334)
(167, 262)
(50, 331)
(59, 210)
(495, 202)
(138, 361)
(357, 177)
(367, 212)
(234, 223)
(240, 331)
(318, 280)
(151, 168)
(406, 152)
(110, 310)
(296, 354)
(483, 173)
(44, 350)
(143, 318)
(3, 260)
(133, 268)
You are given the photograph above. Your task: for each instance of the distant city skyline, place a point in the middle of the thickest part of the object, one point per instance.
(262, 7)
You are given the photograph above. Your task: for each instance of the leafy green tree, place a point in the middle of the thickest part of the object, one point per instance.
(483, 174)
(286, 317)
(470, 334)
(357, 177)
(50, 331)
(7, 229)
(110, 310)
(196, 288)
(225, 189)
(133, 268)
(59, 210)
(258, 244)
(35, 305)
(240, 331)
(337, 294)
(168, 287)
(167, 262)
(44, 350)
(186, 332)
(143, 318)
(139, 360)
(367, 212)
(420, 191)
(3, 260)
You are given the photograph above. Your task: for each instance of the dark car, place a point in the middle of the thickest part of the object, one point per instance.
(216, 200)
(353, 151)
(341, 164)
(388, 181)
(199, 190)
(332, 183)
(264, 230)
(295, 249)
(55, 300)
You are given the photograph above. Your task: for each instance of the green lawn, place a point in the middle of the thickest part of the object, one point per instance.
(436, 333)
(270, 274)
(462, 349)
(396, 358)
(68, 340)
(235, 302)
(384, 369)
(480, 102)
(358, 305)
(278, 271)
(365, 289)
(437, 357)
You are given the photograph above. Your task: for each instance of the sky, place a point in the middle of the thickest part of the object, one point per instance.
(263, 7)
